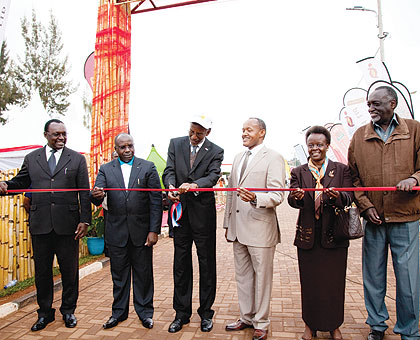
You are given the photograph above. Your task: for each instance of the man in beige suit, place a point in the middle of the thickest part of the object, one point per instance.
(251, 224)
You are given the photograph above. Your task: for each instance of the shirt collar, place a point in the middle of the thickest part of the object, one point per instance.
(57, 153)
(126, 163)
(393, 121)
(256, 149)
(199, 145)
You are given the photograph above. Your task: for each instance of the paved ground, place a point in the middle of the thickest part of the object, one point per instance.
(94, 306)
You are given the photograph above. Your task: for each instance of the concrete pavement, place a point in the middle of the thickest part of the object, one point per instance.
(95, 299)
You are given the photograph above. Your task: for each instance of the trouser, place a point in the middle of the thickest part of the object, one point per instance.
(254, 280)
(403, 240)
(204, 238)
(124, 262)
(66, 248)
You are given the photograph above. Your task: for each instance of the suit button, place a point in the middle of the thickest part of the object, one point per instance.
(52, 179)
(385, 192)
(237, 210)
(237, 195)
(52, 204)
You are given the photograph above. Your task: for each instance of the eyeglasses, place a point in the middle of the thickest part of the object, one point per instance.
(58, 134)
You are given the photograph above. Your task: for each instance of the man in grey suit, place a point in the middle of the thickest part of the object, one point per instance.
(133, 223)
(57, 219)
(194, 162)
(251, 224)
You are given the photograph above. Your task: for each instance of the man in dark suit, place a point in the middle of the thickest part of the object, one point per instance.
(133, 223)
(194, 162)
(57, 219)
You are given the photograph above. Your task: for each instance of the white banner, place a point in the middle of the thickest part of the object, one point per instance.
(373, 70)
(355, 112)
(4, 12)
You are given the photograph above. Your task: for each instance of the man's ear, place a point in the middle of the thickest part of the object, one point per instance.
(208, 132)
(393, 104)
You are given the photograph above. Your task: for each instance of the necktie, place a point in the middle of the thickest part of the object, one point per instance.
(244, 164)
(193, 155)
(52, 162)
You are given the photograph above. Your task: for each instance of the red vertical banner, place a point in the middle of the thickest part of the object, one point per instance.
(111, 81)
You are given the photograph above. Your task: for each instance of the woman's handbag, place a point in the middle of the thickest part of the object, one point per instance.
(347, 223)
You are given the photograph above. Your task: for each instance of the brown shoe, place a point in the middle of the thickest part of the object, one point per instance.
(237, 326)
(260, 334)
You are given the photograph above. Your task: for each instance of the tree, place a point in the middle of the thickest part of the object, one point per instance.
(42, 68)
(9, 92)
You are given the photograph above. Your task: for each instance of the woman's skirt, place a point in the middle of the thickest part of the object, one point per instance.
(323, 280)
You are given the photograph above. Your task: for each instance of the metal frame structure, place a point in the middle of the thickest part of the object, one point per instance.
(154, 5)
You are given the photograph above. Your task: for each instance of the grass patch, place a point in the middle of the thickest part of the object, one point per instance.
(21, 285)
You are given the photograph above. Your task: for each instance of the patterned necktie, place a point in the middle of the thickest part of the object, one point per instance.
(244, 164)
(52, 162)
(318, 175)
(193, 155)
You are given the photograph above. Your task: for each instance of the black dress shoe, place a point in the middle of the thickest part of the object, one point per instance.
(147, 323)
(112, 322)
(206, 325)
(375, 335)
(176, 325)
(70, 320)
(41, 323)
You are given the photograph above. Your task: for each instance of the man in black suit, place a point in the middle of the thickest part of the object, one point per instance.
(57, 219)
(194, 162)
(133, 223)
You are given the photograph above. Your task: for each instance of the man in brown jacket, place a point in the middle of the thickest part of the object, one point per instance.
(386, 152)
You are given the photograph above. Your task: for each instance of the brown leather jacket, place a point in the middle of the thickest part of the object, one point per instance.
(374, 163)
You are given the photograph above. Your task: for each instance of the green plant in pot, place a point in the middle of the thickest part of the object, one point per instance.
(95, 234)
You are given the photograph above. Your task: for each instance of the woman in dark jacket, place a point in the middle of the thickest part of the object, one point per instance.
(322, 258)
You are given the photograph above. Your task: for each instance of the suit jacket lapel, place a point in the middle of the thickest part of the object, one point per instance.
(255, 160)
(307, 179)
(135, 169)
(64, 159)
(201, 153)
(186, 150)
(42, 161)
(116, 169)
(233, 176)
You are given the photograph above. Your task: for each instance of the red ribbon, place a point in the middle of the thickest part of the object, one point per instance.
(220, 189)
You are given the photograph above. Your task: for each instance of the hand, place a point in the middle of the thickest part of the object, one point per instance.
(3, 188)
(81, 230)
(407, 184)
(372, 215)
(185, 187)
(332, 194)
(152, 238)
(98, 193)
(173, 195)
(297, 194)
(226, 231)
(245, 195)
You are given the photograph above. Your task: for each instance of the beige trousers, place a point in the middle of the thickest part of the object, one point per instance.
(254, 279)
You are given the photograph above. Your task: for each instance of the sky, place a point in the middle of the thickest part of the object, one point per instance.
(287, 62)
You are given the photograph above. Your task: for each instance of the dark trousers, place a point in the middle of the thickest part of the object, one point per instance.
(204, 237)
(136, 260)
(67, 250)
